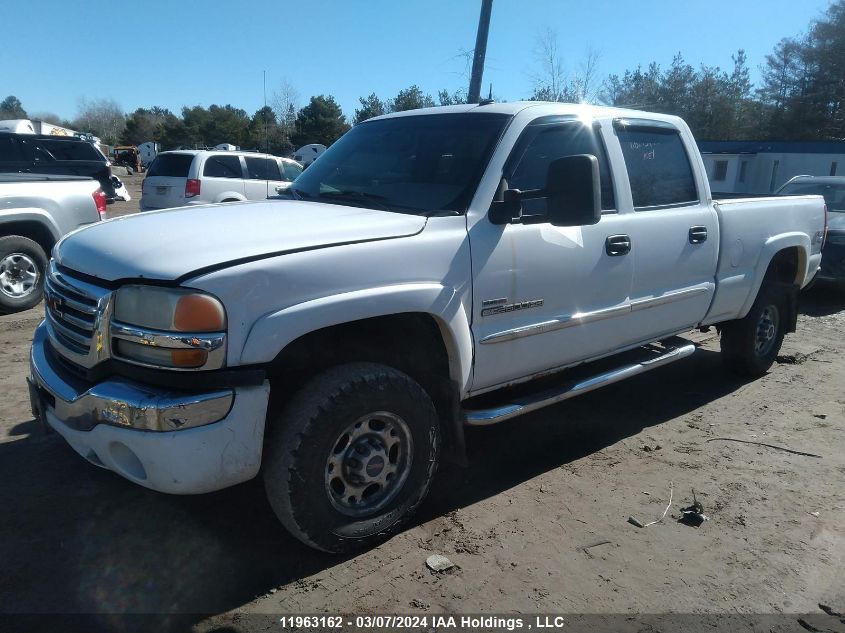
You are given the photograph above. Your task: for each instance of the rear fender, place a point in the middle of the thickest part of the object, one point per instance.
(28, 214)
(229, 195)
(770, 249)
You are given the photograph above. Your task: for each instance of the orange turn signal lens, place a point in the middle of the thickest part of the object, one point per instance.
(199, 313)
(188, 357)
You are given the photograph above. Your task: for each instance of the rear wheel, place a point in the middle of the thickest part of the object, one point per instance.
(22, 267)
(750, 345)
(351, 456)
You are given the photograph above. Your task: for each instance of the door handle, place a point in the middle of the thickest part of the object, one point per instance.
(697, 234)
(616, 245)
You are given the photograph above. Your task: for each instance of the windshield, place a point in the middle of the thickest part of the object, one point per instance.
(834, 194)
(424, 164)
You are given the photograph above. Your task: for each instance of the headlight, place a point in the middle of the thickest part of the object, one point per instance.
(169, 309)
(168, 327)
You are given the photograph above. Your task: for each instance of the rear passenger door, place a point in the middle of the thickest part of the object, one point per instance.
(223, 178)
(263, 176)
(674, 231)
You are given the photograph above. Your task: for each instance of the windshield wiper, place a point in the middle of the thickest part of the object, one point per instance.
(350, 195)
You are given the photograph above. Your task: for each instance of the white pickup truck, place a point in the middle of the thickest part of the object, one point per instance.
(36, 210)
(427, 269)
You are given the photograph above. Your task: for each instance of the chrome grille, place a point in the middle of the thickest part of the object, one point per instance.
(75, 311)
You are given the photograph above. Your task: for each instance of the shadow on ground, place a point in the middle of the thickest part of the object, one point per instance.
(76, 539)
(822, 299)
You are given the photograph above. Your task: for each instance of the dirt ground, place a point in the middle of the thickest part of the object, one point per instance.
(521, 522)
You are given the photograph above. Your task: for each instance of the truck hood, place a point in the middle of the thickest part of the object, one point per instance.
(178, 243)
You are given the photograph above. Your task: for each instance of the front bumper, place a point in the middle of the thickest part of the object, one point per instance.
(216, 441)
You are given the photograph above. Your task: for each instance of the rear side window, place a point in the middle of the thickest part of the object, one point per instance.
(221, 166)
(171, 165)
(261, 169)
(292, 170)
(9, 150)
(658, 167)
(545, 142)
(69, 150)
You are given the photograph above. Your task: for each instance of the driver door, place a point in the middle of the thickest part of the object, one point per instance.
(545, 296)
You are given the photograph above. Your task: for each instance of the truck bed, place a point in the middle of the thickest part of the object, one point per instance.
(746, 241)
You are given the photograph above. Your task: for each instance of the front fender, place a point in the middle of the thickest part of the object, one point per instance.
(271, 333)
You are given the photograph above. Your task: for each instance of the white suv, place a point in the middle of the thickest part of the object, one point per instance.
(187, 177)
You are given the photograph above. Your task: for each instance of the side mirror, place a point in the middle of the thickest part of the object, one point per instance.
(509, 209)
(573, 191)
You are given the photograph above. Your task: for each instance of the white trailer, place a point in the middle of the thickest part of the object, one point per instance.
(148, 151)
(34, 126)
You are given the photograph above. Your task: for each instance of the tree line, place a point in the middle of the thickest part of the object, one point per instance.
(800, 97)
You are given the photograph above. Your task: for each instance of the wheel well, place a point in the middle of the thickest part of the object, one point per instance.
(35, 231)
(410, 342)
(786, 266)
(786, 270)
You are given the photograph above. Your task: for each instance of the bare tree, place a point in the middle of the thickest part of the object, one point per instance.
(285, 105)
(552, 83)
(587, 77)
(549, 82)
(101, 117)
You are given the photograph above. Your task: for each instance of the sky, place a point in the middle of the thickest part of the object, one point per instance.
(141, 53)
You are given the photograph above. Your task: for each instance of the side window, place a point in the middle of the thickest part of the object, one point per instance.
(292, 170)
(222, 166)
(9, 151)
(658, 167)
(545, 142)
(720, 170)
(262, 168)
(69, 150)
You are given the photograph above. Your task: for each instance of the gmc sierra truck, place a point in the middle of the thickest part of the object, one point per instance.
(36, 210)
(433, 269)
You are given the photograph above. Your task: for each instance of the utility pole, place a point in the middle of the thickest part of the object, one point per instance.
(480, 51)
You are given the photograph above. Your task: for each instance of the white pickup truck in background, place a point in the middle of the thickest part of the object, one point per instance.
(36, 210)
(429, 268)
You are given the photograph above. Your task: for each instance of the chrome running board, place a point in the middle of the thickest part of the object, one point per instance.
(526, 404)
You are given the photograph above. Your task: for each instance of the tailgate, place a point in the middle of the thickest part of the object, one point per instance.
(162, 192)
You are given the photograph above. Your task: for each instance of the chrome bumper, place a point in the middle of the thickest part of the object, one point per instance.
(156, 438)
(116, 401)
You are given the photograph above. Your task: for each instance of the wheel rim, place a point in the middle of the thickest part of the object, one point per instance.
(369, 463)
(18, 275)
(767, 329)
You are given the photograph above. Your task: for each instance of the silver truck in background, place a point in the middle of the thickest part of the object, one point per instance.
(36, 210)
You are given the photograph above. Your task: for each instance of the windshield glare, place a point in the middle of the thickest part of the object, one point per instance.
(834, 194)
(420, 164)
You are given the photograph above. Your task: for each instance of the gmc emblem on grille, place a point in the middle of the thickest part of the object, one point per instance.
(55, 304)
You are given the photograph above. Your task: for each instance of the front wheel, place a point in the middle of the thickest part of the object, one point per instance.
(22, 268)
(750, 345)
(351, 456)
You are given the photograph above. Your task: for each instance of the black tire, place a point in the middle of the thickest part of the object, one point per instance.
(750, 345)
(20, 257)
(307, 461)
